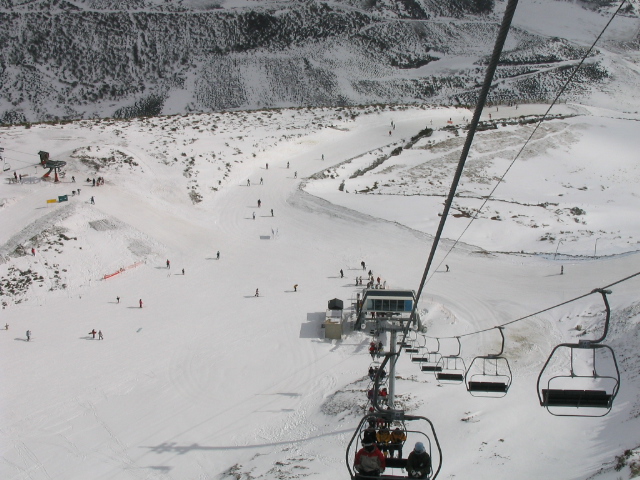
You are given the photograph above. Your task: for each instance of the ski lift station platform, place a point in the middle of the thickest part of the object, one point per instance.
(376, 304)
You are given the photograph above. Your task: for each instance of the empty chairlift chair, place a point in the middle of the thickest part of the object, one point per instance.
(489, 375)
(590, 382)
(450, 368)
(428, 358)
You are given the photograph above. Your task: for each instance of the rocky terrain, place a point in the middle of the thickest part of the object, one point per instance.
(64, 59)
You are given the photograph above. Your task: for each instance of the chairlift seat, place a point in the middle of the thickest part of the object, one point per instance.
(431, 368)
(419, 359)
(396, 462)
(411, 350)
(500, 387)
(449, 376)
(576, 398)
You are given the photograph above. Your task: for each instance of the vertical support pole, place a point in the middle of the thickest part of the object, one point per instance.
(392, 369)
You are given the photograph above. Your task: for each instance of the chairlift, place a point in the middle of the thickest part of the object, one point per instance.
(450, 368)
(489, 375)
(416, 429)
(429, 360)
(583, 388)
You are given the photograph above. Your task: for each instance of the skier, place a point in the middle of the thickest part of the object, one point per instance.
(248, 182)
(118, 299)
(15, 175)
(254, 215)
(78, 191)
(363, 265)
(73, 179)
(33, 252)
(323, 156)
(93, 333)
(100, 337)
(28, 335)
(94, 182)
(140, 303)
(295, 174)
(93, 202)
(447, 267)
(257, 293)
(6, 326)
(259, 203)
(561, 269)
(218, 255)
(287, 166)
(267, 165)
(341, 274)
(295, 287)
(272, 212)
(260, 180)
(183, 271)
(168, 263)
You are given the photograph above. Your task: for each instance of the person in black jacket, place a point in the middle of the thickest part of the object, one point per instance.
(419, 462)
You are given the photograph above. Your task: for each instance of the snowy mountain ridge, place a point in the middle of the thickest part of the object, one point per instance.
(72, 60)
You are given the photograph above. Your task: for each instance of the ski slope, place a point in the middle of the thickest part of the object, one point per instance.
(208, 381)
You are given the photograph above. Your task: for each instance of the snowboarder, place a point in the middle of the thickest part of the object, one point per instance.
(100, 337)
(93, 202)
(272, 212)
(118, 299)
(341, 274)
(363, 265)
(168, 263)
(295, 287)
(254, 215)
(248, 182)
(28, 335)
(259, 203)
(447, 267)
(140, 303)
(295, 174)
(93, 333)
(33, 252)
(218, 255)
(260, 180)
(257, 293)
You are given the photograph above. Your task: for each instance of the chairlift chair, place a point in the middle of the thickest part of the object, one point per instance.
(489, 375)
(578, 394)
(450, 368)
(416, 428)
(429, 359)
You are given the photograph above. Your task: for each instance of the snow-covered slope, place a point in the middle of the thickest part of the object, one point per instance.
(207, 380)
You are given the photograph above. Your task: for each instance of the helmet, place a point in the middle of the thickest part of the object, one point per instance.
(419, 448)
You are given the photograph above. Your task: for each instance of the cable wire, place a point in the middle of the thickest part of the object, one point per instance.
(526, 143)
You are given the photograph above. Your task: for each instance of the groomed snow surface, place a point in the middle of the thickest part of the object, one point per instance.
(209, 381)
